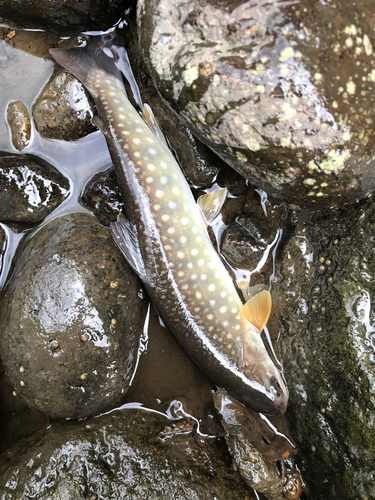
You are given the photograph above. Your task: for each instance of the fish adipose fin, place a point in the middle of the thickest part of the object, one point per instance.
(257, 310)
(125, 235)
(211, 203)
(82, 62)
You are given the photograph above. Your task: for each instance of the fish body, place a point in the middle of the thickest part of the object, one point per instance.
(165, 240)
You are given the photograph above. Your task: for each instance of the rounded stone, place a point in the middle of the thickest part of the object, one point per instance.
(56, 319)
(281, 91)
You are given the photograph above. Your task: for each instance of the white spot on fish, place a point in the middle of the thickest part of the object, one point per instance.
(198, 239)
(163, 164)
(152, 151)
(234, 310)
(136, 140)
(157, 207)
(210, 316)
(200, 262)
(203, 277)
(223, 309)
(172, 204)
(159, 193)
(180, 274)
(198, 295)
(180, 255)
(139, 130)
(183, 240)
(171, 230)
(223, 294)
(175, 190)
(165, 217)
(211, 288)
(149, 179)
(150, 166)
(184, 221)
(164, 179)
(194, 251)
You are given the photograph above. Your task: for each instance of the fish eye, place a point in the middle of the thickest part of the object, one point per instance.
(275, 386)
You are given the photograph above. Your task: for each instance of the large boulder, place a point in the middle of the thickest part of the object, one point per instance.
(281, 91)
(71, 319)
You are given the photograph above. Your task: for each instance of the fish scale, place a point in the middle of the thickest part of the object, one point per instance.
(165, 240)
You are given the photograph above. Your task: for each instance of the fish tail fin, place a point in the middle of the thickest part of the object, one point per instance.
(84, 62)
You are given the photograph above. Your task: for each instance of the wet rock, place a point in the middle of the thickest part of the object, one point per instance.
(71, 319)
(323, 296)
(102, 196)
(31, 188)
(64, 17)
(199, 164)
(123, 455)
(282, 92)
(19, 123)
(256, 447)
(64, 109)
(245, 240)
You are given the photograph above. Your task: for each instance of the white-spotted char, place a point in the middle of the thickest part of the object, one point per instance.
(165, 240)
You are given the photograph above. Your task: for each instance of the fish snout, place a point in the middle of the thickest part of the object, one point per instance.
(279, 392)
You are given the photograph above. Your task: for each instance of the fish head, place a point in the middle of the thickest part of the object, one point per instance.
(258, 367)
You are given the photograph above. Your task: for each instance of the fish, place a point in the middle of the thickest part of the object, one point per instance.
(163, 236)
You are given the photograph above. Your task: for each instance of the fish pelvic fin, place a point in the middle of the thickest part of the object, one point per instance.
(85, 61)
(211, 203)
(257, 310)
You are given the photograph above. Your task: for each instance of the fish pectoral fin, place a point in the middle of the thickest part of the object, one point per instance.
(211, 203)
(257, 310)
(250, 291)
(153, 123)
(125, 235)
(96, 120)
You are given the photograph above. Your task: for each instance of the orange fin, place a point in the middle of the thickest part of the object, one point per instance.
(257, 310)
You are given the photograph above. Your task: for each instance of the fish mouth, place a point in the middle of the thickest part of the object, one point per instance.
(279, 393)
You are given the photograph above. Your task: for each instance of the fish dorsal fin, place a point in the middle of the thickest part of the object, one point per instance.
(257, 310)
(152, 122)
(211, 203)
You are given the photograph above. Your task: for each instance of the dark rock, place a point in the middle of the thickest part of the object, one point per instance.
(323, 296)
(64, 109)
(256, 447)
(282, 92)
(19, 123)
(64, 17)
(245, 240)
(71, 319)
(199, 164)
(128, 454)
(31, 188)
(102, 196)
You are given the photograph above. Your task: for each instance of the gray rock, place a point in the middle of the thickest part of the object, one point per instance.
(31, 188)
(71, 319)
(64, 17)
(282, 92)
(323, 296)
(256, 448)
(125, 455)
(19, 123)
(102, 196)
(64, 109)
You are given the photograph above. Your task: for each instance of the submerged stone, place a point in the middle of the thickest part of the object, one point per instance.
(281, 91)
(19, 123)
(31, 188)
(64, 109)
(71, 319)
(324, 299)
(128, 454)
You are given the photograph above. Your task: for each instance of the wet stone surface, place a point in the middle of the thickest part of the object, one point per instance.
(31, 188)
(64, 17)
(245, 240)
(129, 454)
(71, 319)
(323, 299)
(64, 109)
(102, 196)
(19, 123)
(283, 92)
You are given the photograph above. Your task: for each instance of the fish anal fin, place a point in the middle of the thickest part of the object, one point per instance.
(125, 235)
(211, 203)
(257, 310)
